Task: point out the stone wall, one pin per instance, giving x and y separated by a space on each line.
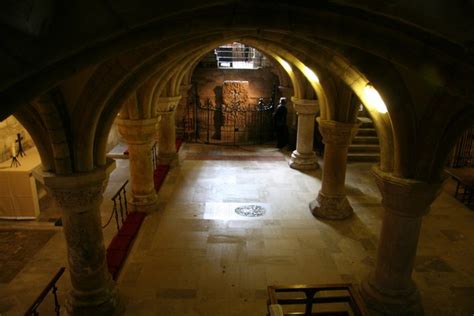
236 93
8 130
210 80
114 137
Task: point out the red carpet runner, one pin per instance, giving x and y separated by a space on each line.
179 142
118 249
160 175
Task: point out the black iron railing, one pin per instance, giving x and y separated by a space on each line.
154 155
33 310
120 209
464 153
235 124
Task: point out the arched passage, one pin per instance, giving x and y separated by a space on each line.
345 40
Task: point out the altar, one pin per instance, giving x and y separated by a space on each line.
19 190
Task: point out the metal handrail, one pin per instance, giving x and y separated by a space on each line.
51 286
463 153
123 206
121 188
154 155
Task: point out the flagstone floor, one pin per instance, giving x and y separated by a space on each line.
196 256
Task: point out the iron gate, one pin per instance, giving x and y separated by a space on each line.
234 124
463 155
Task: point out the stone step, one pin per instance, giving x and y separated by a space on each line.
366 132
363 148
363 157
365 124
365 145
365 140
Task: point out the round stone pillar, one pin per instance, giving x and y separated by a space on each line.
79 197
166 109
182 107
139 135
390 288
332 202
304 158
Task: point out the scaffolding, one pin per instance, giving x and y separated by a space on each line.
239 56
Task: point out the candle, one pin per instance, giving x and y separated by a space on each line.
13 150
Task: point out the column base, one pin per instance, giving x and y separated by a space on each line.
168 159
388 302
106 302
331 207
144 203
301 161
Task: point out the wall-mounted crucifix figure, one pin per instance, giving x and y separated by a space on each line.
21 152
15 163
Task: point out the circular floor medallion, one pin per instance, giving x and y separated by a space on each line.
250 210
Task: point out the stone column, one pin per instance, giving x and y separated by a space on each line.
390 288
182 107
331 202
139 135
166 109
79 197
304 158
288 92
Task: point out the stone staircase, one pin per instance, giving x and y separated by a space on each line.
365 145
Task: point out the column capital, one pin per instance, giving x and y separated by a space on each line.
77 192
167 104
305 106
285 89
405 197
337 133
137 131
286 92
185 87
165 113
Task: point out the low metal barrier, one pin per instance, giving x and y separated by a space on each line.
33 310
120 209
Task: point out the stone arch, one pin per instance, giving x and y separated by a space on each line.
51 110
335 28
169 85
110 102
101 135
29 117
359 84
318 57
47 124
203 49
440 134
280 72
356 27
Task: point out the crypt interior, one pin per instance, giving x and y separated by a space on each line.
139 173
